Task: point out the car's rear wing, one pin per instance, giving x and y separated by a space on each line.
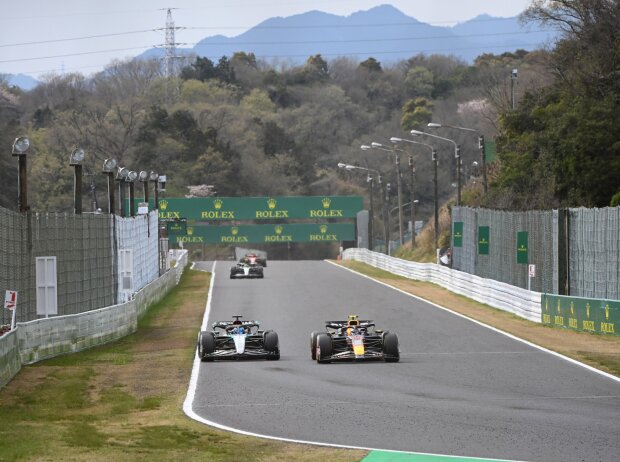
340 324
225 324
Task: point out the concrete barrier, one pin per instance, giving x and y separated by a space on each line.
521 302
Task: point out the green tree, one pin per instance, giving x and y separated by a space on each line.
419 82
416 113
560 146
370 65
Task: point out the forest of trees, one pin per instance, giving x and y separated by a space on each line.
251 127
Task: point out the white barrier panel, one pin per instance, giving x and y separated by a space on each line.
522 302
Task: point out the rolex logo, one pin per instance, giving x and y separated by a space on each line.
279 229
588 310
217 203
190 231
559 306
271 203
326 202
234 230
323 228
163 204
572 309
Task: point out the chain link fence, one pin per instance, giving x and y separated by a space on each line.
86 248
575 251
594 252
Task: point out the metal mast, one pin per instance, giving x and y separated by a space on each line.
170 46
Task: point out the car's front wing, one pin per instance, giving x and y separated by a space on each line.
343 350
247 354
246 276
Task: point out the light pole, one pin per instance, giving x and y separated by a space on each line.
513 80
480 147
154 178
76 159
412 200
380 147
121 175
435 195
370 181
386 218
20 146
457 160
108 168
131 177
143 176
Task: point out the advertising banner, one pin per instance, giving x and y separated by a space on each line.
458 234
246 234
583 314
258 208
522 247
483 240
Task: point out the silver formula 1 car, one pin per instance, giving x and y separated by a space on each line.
246 271
352 340
237 340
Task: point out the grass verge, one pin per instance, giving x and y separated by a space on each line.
596 350
123 401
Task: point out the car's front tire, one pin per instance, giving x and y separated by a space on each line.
206 345
313 337
390 348
323 348
270 341
272 345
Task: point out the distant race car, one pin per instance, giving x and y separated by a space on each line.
353 340
246 270
252 258
238 340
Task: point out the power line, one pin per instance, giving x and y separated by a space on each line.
39 42
411 52
348 54
75 54
398 39
325 26
302 42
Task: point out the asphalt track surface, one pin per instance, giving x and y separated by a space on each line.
459 389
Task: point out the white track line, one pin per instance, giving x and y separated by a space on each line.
191 392
554 353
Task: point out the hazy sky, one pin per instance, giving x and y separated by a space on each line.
61 28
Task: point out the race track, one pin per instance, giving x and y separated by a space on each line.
460 388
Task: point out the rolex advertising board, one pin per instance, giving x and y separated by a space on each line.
273 233
583 314
258 208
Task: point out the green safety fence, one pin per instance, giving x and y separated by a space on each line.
582 314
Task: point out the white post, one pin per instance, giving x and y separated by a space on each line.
10 303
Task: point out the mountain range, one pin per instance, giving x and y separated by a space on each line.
382 32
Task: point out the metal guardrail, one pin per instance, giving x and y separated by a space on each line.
521 302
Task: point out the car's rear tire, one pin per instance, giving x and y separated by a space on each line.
206 345
270 341
323 348
390 348
313 337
